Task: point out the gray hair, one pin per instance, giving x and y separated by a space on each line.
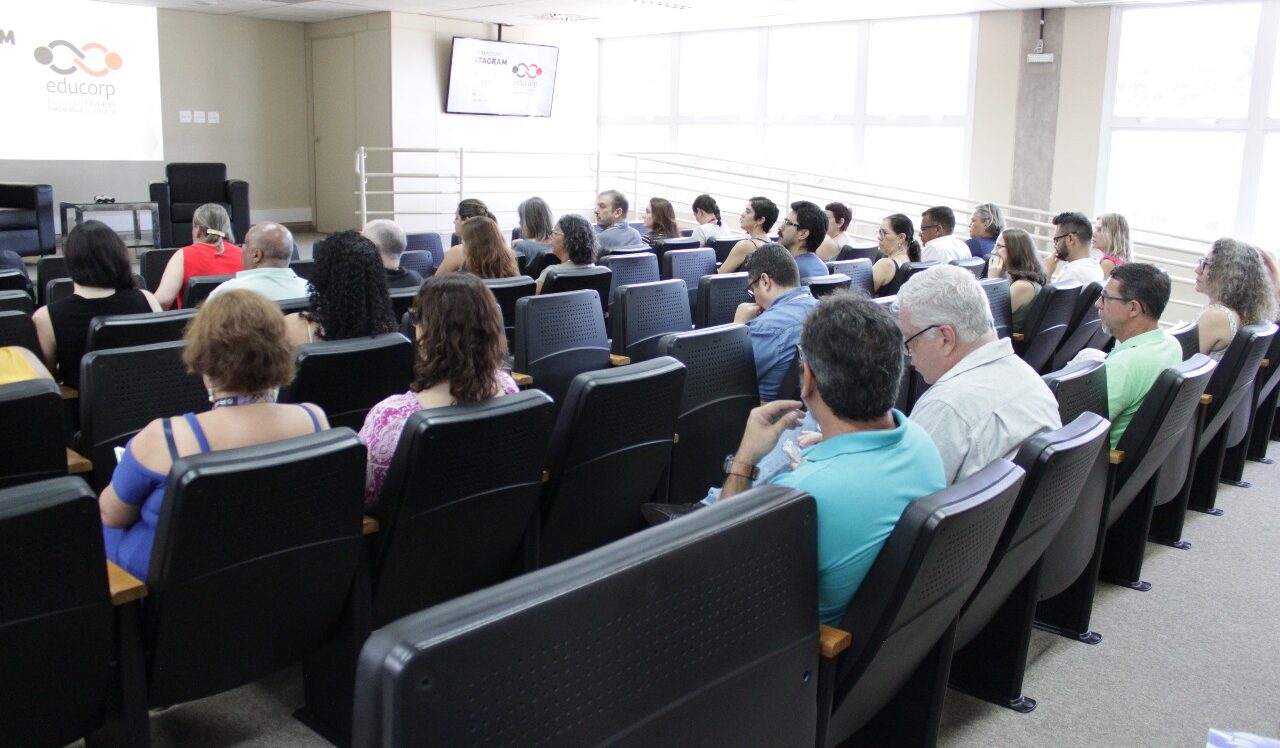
213 218
387 236
535 219
991 217
948 295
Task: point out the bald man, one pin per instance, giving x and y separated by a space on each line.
266 252
390 240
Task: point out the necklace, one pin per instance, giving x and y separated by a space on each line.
266 396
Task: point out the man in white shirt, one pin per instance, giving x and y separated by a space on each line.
936 225
267 249
611 216
984 401
839 217
1071 260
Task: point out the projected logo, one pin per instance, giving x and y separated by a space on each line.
526 71
97 64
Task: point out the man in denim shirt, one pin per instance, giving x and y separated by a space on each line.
776 315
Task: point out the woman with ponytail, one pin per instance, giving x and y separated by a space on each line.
707 213
898 245
212 251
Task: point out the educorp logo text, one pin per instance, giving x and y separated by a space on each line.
92 59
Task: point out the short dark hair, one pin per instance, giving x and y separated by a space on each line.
775 260
617 201
765 208
97 257
943 216
843 214
810 216
854 348
579 238
1144 283
1076 223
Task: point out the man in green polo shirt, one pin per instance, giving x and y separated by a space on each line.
1130 307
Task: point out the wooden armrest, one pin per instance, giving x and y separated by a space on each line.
616 360
125 587
1266 363
1206 399
522 380
832 641
546 477
1117 456
69 393
370 526
1018 337
77 463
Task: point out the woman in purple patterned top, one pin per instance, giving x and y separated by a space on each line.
461 348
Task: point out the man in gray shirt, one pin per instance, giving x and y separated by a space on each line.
611 215
267 249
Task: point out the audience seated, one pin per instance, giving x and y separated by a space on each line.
611 217
237 343
573 242
212 251
103 283
984 401
839 219
535 230
1111 240
1015 258
483 251
660 219
871 461
391 242
348 293
266 252
456 255
1071 260
17 364
1234 277
756 219
898 245
940 245
461 350
707 214
774 317
802 233
985 225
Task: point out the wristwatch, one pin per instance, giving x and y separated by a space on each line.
752 473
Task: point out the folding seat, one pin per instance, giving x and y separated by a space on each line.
1248 416
56 622
913 268
1170 484
348 377
975 265
508 291
887 687
701 632
124 330
16 328
596 278
669 245
997 290
419 261
559 336
199 288
124 389
1266 396
1188 336
1046 324
631 267
720 389
719 297
47 269
689 265
859 272
32 446
825 285
12 280
303 268
401 300
994 629
58 289
290 306
427 242
724 245
151 264
870 253
1082 329
16 301
1079 388
609 452
643 313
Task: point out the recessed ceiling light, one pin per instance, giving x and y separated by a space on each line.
564 17
206 3
663 4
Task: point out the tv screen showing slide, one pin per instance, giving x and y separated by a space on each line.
80 81
501 78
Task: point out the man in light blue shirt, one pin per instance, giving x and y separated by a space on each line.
611 216
802 233
775 316
267 249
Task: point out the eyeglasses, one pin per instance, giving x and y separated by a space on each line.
1202 264
1060 237
927 227
906 344
884 233
751 287
1105 298
788 222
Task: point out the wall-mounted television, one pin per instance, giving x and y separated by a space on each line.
505 78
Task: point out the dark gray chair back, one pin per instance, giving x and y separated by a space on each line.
631 267
125 330
427 242
870 253
419 261
1046 323
911 269
1188 336
559 336
997 290
303 268
12 280
508 291
1082 329
151 264
644 312
32 443
1079 388
49 268
975 265
199 287
596 278
825 285
859 272
719 297
16 301
724 245
16 328
689 265
348 377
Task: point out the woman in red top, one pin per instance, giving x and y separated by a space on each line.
211 252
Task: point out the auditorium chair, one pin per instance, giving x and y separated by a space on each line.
1046 324
419 261
290 306
427 242
56 627
542 262
720 390
1266 396
187 186
911 269
1083 328
508 291
643 313
975 265
993 632
348 377
620 646
1079 388
596 278
124 389
47 269
1247 415
724 245
608 455
12 280
16 328
661 247
26 219
16 301
631 267
888 686
859 272
870 253
151 265
32 440
1188 336
1170 487
125 330
199 287
825 285
303 268
719 297
401 300
997 290
557 337
689 265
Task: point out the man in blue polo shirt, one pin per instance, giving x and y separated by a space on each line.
775 316
611 217
871 462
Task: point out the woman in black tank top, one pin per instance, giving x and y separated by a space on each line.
898 247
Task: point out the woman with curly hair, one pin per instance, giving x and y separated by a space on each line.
349 296
1111 239
1240 292
485 252
573 243
660 219
1015 258
461 349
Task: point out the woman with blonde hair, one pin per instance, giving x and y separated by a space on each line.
212 251
1235 278
1111 239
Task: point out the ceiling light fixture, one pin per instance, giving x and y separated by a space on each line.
663 4
564 17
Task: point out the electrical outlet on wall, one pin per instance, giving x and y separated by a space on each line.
214 118
198 116
184 116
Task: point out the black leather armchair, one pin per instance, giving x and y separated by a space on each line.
26 218
187 187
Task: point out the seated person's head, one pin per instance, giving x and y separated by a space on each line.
97 257
573 240
771 272
267 245
388 237
460 338
987 220
211 224
349 297
1074 236
851 349
1017 257
937 221
660 218
759 215
237 343
486 250
535 219
1133 299
611 208
807 225
1235 275
944 316
839 216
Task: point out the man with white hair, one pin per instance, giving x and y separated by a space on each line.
390 240
984 401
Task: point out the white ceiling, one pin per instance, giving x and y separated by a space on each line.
618 17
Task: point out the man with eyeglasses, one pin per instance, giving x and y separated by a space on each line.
775 314
1071 259
802 233
984 401
936 225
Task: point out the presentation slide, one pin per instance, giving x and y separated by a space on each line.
501 78
80 81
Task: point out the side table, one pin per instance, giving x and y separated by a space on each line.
133 208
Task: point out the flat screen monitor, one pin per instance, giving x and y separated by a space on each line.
504 78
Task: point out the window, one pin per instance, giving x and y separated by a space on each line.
812 70
920 67
639 81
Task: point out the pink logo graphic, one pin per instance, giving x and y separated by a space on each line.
110 60
526 71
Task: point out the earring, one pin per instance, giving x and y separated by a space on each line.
211 396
